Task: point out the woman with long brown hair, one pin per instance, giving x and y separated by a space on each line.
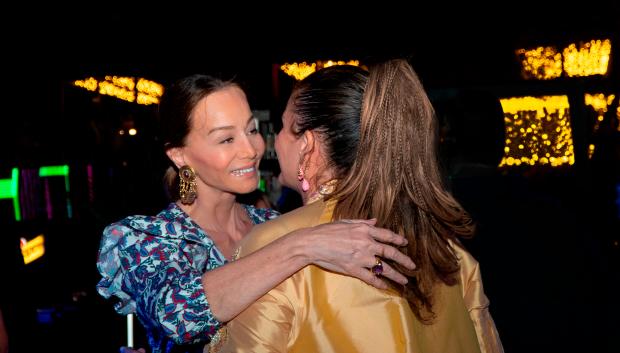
364 145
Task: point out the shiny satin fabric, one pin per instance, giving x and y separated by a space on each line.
477 302
320 311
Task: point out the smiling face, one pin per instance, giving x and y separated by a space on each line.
223 146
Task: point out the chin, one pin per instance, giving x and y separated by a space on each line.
247 188
283 181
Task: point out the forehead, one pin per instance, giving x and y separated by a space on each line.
227 106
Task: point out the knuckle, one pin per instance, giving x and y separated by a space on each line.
392 252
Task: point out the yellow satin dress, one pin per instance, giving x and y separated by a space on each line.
319 311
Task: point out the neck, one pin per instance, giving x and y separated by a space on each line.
216 211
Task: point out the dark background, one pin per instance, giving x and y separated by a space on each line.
548 239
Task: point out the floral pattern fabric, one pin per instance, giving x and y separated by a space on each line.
153 266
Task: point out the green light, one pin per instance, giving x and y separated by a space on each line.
6 187
9 190
15 189
58 170
54 170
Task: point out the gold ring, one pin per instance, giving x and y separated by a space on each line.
377 269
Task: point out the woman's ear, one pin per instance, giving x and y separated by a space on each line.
176 156
307 142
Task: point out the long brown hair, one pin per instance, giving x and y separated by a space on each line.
396 179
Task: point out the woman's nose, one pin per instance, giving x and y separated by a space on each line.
249 150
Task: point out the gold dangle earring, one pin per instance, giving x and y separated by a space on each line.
187 185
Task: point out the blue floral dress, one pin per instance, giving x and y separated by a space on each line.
154 265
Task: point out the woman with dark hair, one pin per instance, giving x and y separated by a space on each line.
173 269
364 145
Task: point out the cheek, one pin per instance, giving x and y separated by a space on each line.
259 145
277 143
281 145
215 161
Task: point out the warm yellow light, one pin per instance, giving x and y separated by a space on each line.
123 82
599 102
339 62
585 59
298 70
591 148
145 99
32 249
302 70
125 88
591 58
618 116
543 63
109 89
150 88
121 132
132 132
548 131
89 83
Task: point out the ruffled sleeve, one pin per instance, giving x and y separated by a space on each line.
112 270
159 278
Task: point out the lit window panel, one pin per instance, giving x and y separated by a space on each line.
538 131
600 103
577 59
542 63
587 59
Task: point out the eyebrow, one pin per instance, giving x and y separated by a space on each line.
228 127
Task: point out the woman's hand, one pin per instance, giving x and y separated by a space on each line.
351 247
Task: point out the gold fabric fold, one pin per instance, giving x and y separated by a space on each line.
477 302
320 311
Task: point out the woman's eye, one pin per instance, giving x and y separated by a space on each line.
253 131
228 140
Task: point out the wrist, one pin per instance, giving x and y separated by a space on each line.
302 248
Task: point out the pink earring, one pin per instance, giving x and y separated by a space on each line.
305 186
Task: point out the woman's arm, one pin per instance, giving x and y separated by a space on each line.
477 302
347 247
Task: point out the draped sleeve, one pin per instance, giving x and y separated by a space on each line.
264 327
477 303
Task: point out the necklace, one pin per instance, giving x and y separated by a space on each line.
324 189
